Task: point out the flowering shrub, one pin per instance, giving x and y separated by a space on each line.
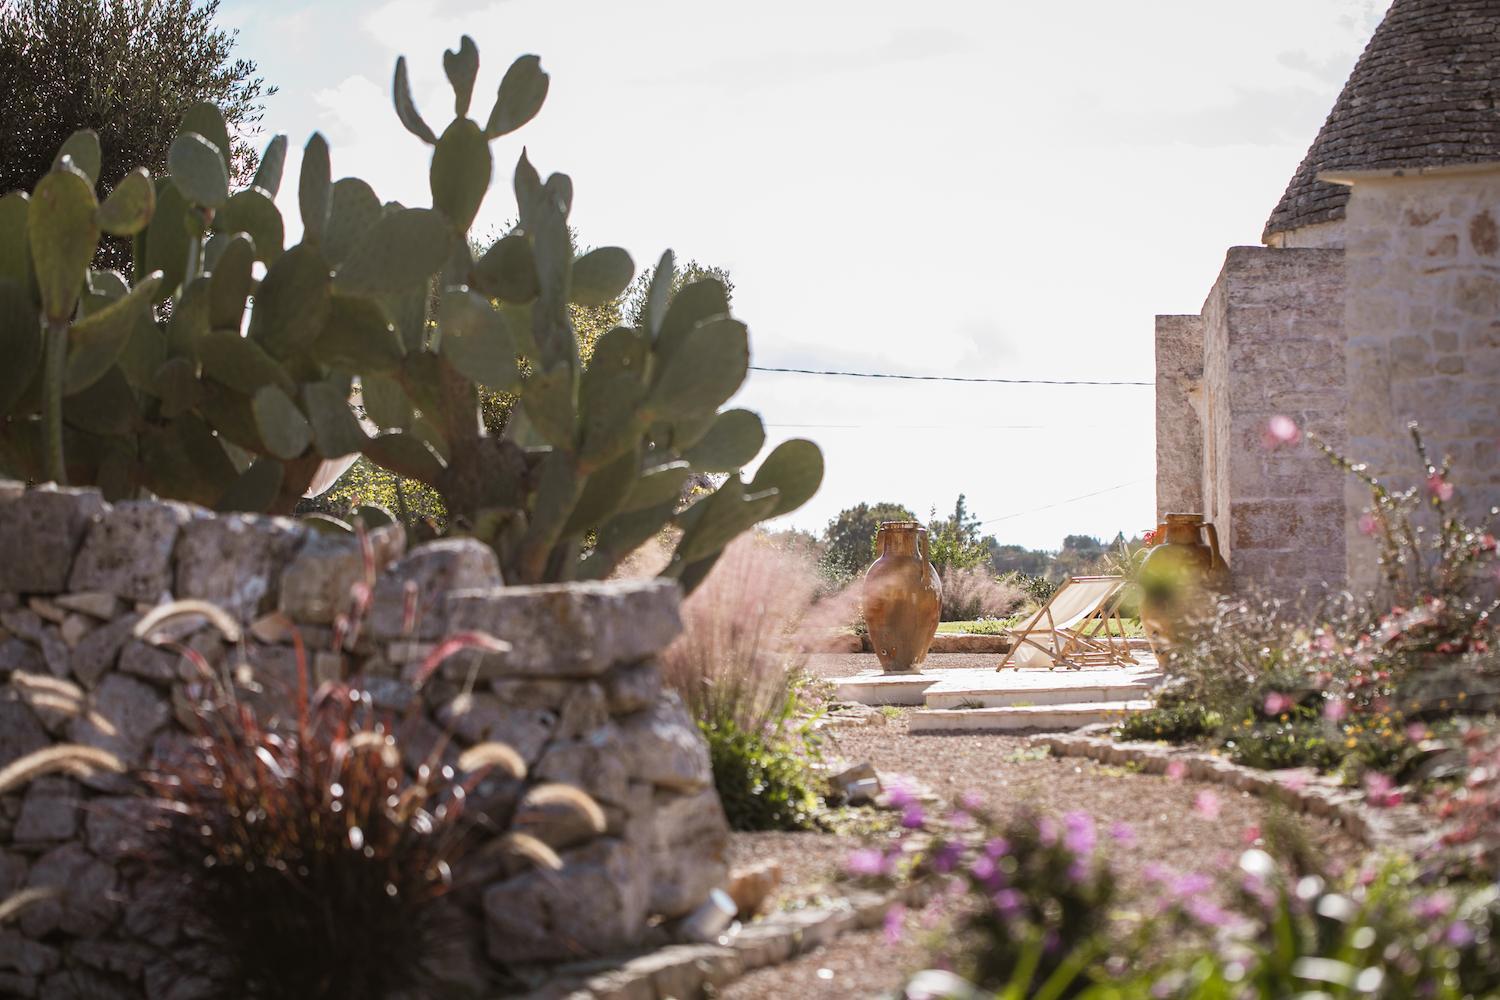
1471 808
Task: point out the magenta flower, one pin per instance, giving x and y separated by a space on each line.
1176 770
1206 804
868 861
945 859
1079 834
912 817
1276 703
1368 523
1433 907
1207 912
899 796
983 868
1440 487
895 923
999 847
1459 934
1380 791
971 800
1122 833
1335 710
1008 903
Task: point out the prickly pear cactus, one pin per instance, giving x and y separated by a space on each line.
229 367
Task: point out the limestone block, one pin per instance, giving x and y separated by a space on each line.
317 586
481 717
128 551
597 904
572 630
148 662
117 825
428 572
124 714
49 811
596 765
87 904
12 873
28 625
236 560
633 687
96 653
664 746
30 958
17 654
688 847
40 531
21 731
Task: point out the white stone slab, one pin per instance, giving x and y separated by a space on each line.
876 688
1050 718
1014 688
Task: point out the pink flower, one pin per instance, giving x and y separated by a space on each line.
1335 710
1368 523
868 861
895 923
1251 835
1380 791
1440 487
1176 770
1416 732
1280 431
1206 804
1122 833
1276 703
971 800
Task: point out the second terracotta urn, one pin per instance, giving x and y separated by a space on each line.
903 597
1178 575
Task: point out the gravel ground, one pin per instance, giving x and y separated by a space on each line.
831 665
1183 825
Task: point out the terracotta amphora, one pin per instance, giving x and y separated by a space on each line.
1179 575
903 597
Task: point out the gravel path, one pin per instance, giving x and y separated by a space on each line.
1183 825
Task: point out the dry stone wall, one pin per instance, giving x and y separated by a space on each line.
1179 420
1423 312
579 696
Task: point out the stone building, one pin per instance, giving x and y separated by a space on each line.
1374 301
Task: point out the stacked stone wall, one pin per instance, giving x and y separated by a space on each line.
1179 424
1274 346
579 696
1423 314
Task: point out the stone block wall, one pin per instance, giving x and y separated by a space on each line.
578 696
1179 419
1423 314
1273 344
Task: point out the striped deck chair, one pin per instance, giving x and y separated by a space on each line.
1075 628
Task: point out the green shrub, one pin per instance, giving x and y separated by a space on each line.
1175 724
1272 744
763 783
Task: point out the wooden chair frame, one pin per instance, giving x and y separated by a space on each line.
1078 645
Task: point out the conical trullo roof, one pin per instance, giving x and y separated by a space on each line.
1425 93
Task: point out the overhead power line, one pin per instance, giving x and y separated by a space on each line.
946 378
1063 503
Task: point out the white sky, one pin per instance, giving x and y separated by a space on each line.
956 187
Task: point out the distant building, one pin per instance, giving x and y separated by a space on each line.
1374 301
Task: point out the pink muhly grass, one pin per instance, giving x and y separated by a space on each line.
739 658
974 593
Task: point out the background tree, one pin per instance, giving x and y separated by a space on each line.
849 539
126 69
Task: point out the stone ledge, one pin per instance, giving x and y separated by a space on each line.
686 971
1399 828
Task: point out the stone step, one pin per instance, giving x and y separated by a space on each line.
1009 691
1051 718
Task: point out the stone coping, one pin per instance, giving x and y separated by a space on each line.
1400 828
692 970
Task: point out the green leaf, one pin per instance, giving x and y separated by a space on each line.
176 385
662 484
659 294
795 469
336 432
733 441
705 371
406 455
406 110
198 170
282 426
105 406
314 190
83 147
20 342
623 350
507 271
603 493
353 209
189 319
462 66
358 338
253 213
293 302
385 402
240 363
105 287
475 341
697 301
401 252
232 282
601 276
550 401
95 342
185 460
207 120
460 173
718 519
63 237
256 489
612 416
272 163
232 415
15 247
143 355
128 208
522 91
166 242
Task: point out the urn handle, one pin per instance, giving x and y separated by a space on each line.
924 554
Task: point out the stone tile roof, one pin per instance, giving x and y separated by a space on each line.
1426 92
